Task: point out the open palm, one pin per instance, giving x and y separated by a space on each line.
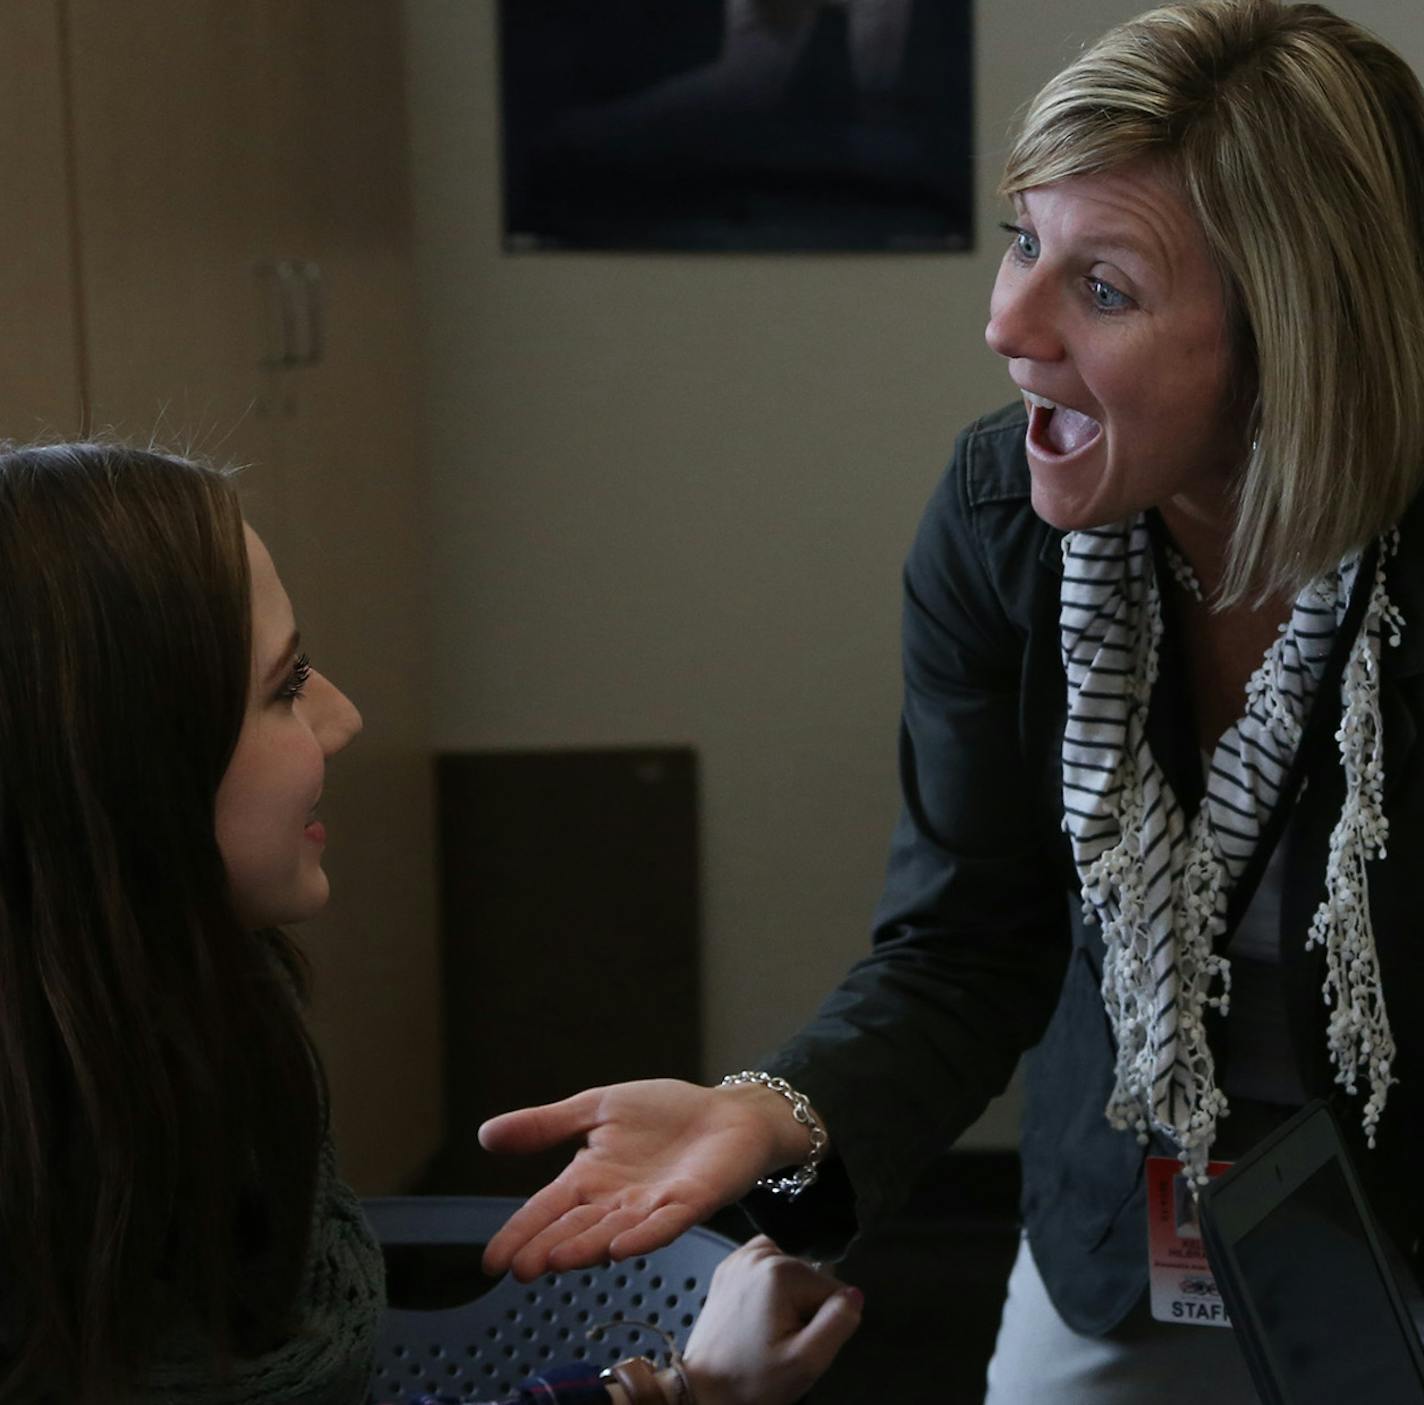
659 1155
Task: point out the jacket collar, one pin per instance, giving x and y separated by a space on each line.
1050 551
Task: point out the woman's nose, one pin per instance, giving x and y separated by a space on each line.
1022 325
334 717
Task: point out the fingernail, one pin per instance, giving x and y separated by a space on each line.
856 1297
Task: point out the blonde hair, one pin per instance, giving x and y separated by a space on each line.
1298 138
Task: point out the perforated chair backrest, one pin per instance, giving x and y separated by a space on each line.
483 1349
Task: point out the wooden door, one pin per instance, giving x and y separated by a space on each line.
174 198
355 486
40 351
242 213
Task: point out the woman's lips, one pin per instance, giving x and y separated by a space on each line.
1056 432
316 832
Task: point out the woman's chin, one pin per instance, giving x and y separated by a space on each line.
287 909
1066 513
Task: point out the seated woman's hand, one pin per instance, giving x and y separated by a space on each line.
771 1327
659 1155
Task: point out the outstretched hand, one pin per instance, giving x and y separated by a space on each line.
659 1156
771 1327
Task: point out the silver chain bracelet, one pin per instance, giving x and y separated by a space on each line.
801 1109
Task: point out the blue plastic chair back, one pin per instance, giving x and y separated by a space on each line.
482 1349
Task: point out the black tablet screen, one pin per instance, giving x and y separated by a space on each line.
1329 1324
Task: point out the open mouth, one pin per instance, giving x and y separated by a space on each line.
1055 431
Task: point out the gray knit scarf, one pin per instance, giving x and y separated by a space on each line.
327 1361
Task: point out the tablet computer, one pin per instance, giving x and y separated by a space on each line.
1302 1270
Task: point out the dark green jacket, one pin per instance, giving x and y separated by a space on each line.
980 951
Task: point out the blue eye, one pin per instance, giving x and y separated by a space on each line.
1105 297
296 681
1025 245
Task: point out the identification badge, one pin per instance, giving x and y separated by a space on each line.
1184 1288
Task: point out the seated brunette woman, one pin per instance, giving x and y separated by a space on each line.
174 1228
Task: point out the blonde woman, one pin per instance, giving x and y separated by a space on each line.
1164 674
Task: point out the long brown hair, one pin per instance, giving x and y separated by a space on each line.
161 1107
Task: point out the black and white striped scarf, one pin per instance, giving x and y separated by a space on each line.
1158 883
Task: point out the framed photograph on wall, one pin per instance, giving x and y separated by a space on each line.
752 125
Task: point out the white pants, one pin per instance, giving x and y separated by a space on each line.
1040 1360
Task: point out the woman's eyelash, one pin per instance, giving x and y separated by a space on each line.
1106 299
1025 245
297 679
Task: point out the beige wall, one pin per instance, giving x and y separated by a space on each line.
673 493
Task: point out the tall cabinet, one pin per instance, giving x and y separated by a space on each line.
217 257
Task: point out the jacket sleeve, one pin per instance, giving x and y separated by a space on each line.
971 933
